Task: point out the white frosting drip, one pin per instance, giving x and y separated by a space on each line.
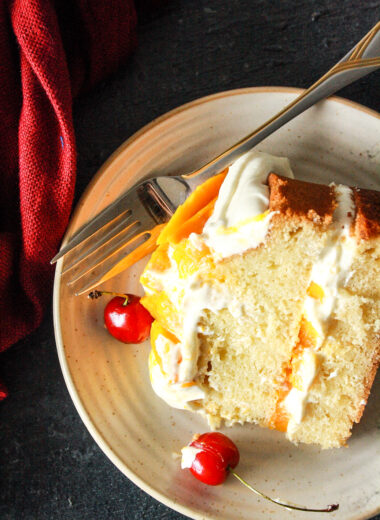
199 296
244 192
333 268
173 393
244 195
295 401
191 296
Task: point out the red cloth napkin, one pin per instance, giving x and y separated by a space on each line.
49 52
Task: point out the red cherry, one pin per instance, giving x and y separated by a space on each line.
217 456
127 320
218 453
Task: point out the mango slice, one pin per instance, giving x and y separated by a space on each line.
190 260
195 224
307 336
200 198
162 310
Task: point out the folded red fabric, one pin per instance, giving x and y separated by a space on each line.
49 52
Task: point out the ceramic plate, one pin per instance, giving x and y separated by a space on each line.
109 382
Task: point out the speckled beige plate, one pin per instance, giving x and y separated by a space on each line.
109 382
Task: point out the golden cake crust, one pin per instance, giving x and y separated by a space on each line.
301 200
367 219
316 202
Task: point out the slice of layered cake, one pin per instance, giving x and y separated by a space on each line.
266 296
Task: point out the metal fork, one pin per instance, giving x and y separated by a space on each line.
127 223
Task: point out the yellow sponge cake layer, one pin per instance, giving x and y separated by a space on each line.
270 314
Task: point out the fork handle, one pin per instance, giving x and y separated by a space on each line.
363 59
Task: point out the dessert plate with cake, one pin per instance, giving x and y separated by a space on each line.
265 293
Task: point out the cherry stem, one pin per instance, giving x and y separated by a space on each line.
328 509
93 295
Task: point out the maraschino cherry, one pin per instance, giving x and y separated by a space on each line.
215 455
212 456
125 318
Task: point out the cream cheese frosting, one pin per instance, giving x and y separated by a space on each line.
174 394
244 195
296 400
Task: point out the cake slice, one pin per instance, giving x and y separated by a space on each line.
269 312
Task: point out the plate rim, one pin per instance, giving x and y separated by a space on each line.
79 405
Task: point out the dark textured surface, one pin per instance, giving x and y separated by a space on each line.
50 466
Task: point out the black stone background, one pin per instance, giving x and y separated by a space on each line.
50 466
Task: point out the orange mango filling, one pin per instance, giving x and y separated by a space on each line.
201 197
195 224
190 260
306 339
162 310
307 336
160 258
189 218
315 291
